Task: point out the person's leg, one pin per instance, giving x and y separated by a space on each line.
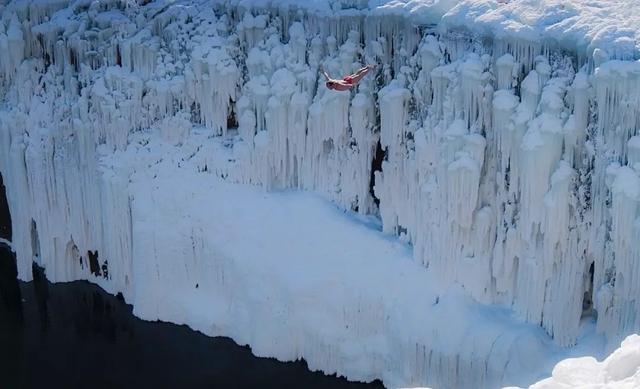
357 76
363 70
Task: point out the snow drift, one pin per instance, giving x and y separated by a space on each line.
620 370
499 140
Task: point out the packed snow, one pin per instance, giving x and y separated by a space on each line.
603 29
620 370
465 217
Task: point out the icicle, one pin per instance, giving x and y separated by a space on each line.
430 56
12 45
504 71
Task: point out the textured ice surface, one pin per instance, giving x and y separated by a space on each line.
508 166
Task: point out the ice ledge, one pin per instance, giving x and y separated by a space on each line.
307 281
590 28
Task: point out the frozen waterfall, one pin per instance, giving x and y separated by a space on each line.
145 146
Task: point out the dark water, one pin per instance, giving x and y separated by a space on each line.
75 335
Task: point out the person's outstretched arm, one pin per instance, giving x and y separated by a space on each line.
324 73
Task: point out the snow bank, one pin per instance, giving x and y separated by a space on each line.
599 29
602 29
620 370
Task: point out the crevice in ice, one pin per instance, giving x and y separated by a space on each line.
73 60
118 56
587 301
94 265
376 166
35 241
5 215
73 253
232 120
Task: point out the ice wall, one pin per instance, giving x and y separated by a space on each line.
510 165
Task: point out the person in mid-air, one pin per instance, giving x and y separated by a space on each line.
347 82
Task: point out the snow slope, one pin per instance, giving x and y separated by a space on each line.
508 163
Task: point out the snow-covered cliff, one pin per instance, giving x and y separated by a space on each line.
499 139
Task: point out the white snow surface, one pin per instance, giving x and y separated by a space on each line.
620 370
186 154
610 27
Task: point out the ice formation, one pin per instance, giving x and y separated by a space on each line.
499 139
620 370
